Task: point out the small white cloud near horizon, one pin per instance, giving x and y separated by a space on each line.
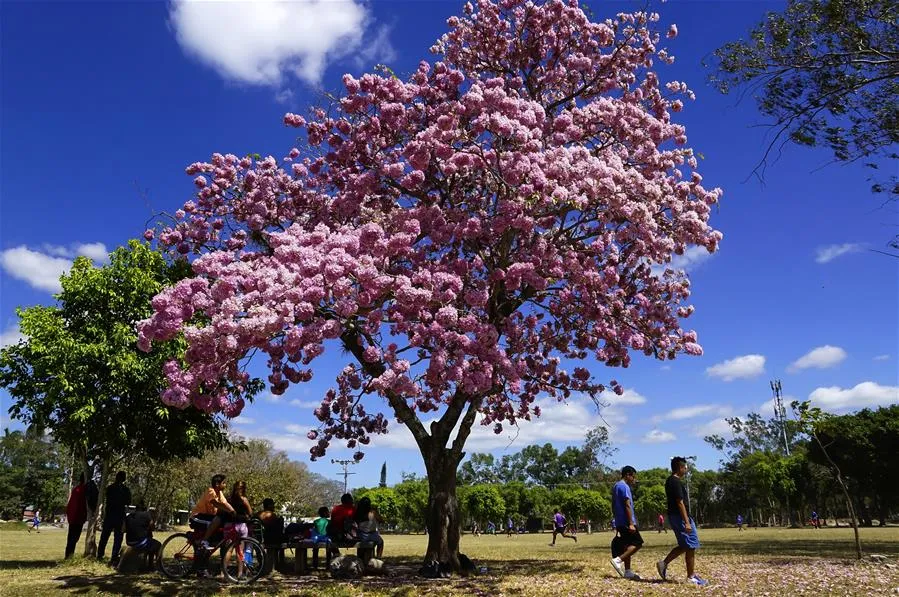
261 43
690 412
657 436
821 357
882 357
863 395
831 252
11 335
718 427
42 269
692 258
750 365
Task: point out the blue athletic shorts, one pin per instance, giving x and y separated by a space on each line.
684 539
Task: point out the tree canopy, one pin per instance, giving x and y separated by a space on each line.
827 74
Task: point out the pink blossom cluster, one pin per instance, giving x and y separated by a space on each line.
464 234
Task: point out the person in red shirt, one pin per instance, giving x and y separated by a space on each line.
76 515
340 514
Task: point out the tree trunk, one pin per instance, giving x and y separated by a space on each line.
443 515
93 515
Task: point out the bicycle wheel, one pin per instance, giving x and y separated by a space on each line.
176 556
246 553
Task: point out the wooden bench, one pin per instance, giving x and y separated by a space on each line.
301 554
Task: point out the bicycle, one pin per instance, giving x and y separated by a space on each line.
182 554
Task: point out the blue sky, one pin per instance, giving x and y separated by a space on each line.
104 104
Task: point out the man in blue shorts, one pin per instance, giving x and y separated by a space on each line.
683 526
629 539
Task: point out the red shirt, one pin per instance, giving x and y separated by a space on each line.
340 513
76 509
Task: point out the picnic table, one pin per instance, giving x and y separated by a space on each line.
301 554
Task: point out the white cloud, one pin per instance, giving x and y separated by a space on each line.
750 365
657 437
559 422
305 403
262 42
865 394
692 258
42 270
767 407
714 427
819 358
243 420
831 252
882 357
11 335
690 412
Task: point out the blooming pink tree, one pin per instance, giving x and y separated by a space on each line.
466 236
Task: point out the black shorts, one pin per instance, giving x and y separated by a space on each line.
559 530
626 538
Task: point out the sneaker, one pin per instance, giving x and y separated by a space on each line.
662 567
699 582
552 544
618 565
204 545
631 575
575 538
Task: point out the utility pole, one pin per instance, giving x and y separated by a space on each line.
346 473
780 412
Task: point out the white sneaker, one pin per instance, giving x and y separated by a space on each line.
662 567
618 565
631 575
699 582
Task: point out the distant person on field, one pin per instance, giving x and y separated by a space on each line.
35 522
559 527
683 526
626 522
491 528
118 496
661 524
76 515
815 519
510 527
739 522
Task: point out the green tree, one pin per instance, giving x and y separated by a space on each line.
649 502
31 473
485 502
826 72
385 500
413 502
79 375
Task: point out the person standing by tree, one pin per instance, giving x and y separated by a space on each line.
559 526
740 522
662 524
118 496
76 515
683 526
626 522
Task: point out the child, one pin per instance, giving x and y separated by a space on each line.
320 525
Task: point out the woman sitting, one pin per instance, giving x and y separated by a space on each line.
367 519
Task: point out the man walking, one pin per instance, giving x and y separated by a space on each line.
626 523
683 526
118 496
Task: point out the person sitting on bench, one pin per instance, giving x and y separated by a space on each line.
367 520
139 527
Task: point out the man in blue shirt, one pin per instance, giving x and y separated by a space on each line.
628 540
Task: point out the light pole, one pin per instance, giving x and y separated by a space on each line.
346 473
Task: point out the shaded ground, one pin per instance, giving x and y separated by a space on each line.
773 561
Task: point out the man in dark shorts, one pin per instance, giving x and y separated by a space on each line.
139 527
683 526
559 526
628 538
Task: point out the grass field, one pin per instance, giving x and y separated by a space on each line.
757 562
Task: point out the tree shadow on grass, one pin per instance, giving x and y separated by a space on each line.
27 564
803 548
